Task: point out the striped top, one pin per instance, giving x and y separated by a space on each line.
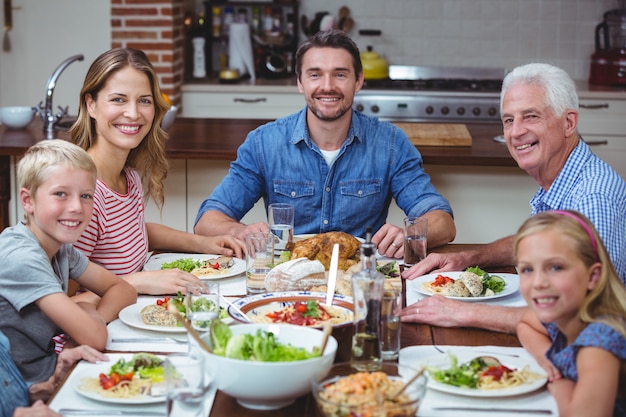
116 237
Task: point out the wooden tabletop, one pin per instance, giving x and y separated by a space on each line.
411 334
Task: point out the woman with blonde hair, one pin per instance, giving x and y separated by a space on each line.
119 125
576 323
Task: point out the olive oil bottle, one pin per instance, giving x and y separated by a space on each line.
367 292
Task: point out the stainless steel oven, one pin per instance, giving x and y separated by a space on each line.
434 94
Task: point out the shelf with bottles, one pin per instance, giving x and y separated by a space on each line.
273 29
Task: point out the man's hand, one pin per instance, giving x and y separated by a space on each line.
435 310
436 262
390 241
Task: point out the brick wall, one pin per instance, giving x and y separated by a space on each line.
156 27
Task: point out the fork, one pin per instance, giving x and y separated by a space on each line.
513 355
149 339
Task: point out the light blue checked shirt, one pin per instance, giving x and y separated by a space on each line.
590 186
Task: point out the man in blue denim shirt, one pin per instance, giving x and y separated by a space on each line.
338 167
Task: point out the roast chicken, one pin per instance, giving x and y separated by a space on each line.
320 247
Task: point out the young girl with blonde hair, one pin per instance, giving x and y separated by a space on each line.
576 323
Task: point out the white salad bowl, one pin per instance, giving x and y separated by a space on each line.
271 385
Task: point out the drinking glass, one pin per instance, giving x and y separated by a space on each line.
187 383
415 231
280 217
203 306
390 324
259 260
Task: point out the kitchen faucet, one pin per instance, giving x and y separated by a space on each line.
45 110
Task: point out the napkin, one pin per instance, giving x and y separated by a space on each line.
537 400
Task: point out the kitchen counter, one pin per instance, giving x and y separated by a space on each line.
219 139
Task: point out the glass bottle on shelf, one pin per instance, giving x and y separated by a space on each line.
367 292
256 20
229 17
217 22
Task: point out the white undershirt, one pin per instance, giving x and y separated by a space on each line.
330 156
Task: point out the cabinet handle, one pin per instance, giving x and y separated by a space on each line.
596 142
249 100
594 106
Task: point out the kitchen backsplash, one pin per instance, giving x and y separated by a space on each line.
481 33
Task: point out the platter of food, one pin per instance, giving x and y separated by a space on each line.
469 374
303 308
204 266
456 285
132 379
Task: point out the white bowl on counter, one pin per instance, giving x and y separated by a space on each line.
16 117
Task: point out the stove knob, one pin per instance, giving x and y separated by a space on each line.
492 111
429 110
360 108
476 111
375 109
445 110
460 111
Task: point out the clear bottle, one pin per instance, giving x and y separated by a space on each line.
367 292
217 22
229 17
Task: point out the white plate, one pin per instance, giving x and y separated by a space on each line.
92 370
131 316
511 286
155 261
442 361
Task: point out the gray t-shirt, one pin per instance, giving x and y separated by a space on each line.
27 275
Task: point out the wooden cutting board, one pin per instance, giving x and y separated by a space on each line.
437 134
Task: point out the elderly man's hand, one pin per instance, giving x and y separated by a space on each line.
435 310
436 262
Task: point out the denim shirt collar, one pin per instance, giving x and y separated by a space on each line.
301 132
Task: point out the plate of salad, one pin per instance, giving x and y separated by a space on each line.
195 262
126 379
457 285
470 374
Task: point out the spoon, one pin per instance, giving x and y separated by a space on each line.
406 385
327 329
172 309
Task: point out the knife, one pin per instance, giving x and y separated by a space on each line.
332 274
148 340
79 412
495 410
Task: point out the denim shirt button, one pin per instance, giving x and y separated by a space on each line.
328 189
360 192
325 221
293 193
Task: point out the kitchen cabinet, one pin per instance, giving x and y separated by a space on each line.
235 105
602 124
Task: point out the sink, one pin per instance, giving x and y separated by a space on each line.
65 123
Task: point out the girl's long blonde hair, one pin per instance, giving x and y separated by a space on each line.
606 303
149 157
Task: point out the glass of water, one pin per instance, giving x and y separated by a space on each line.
187 384
280 217
202 302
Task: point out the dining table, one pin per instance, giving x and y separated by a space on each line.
417 340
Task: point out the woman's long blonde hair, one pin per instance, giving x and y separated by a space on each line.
606 303
149 157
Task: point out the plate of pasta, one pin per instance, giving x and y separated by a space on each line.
204 266
451 285
469 374
126 379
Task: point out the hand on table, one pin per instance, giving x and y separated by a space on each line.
435 310
38 409
436 262
161 282
224 245
66 359
390 241
251 228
